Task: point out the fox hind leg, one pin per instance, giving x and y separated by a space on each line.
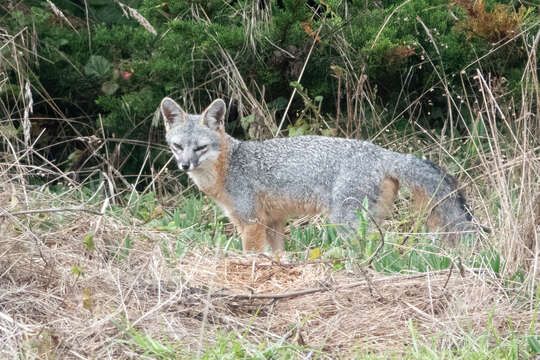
344 211
388 190
345 206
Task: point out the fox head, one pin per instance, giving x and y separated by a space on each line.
195 140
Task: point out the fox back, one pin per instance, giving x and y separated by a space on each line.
260 184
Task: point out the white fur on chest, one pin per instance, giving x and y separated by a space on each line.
206 181
204 178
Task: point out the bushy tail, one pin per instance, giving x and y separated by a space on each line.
436 191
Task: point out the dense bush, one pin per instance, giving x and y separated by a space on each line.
403 53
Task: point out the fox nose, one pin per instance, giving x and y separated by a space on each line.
184 166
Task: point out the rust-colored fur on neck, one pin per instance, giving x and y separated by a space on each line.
217 191
253 233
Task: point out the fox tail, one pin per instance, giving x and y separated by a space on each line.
435 192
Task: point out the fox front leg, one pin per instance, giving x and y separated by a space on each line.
253 236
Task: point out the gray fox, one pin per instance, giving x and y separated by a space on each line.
259 184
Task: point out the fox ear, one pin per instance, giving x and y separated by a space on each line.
214 115
172 113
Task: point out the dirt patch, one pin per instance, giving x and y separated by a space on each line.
256 276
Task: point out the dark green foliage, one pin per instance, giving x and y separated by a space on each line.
408 50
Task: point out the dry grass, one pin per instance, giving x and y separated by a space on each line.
49 311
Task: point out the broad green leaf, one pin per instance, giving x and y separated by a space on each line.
109 87
97 66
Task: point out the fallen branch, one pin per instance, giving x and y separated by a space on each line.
303 292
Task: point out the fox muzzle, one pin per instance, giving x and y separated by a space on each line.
188 161
184 166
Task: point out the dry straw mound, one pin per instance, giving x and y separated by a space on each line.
58 299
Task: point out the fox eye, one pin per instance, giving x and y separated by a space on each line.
201 148
178 146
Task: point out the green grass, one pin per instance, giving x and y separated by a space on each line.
146 346
227 345
195 225
198 222
235 346
486 346
489 345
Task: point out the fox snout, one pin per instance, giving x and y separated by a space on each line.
186 166
183 166
186 162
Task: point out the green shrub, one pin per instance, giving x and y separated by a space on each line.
120 70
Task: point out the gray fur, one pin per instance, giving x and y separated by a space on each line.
337 174
333 174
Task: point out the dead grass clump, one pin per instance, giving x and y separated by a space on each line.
259 277
494 25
